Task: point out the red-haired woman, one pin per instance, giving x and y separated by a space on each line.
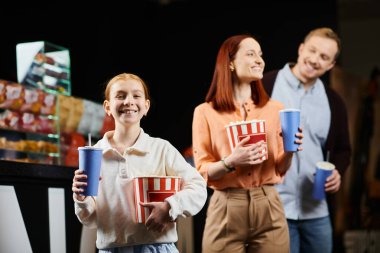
245 213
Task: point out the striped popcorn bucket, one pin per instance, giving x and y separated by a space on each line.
152 189
255 129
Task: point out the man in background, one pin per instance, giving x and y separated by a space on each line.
326 137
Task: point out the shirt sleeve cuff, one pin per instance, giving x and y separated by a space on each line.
175 208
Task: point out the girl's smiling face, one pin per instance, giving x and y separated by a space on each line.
127 102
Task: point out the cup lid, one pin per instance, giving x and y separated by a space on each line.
325 165
290 110
89 147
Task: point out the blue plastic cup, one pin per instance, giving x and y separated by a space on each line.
324 170
90 160
290 122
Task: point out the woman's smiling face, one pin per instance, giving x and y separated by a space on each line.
248 62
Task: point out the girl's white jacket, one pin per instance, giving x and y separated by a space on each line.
113 210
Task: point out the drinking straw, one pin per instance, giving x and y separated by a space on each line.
89 139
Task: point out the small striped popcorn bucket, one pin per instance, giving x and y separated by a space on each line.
153 189
255 129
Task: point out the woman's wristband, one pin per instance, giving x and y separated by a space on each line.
229 169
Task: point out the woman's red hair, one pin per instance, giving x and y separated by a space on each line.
221 89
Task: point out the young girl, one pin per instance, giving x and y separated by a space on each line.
129 152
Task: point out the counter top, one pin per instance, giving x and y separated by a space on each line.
35 171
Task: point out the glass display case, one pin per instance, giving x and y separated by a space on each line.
44 65
40 122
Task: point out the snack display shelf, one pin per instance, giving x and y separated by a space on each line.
29 125
61 87
31 152
42 135
26 146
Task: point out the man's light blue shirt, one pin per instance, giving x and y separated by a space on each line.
296 190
